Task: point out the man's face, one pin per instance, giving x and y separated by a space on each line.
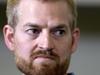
42 40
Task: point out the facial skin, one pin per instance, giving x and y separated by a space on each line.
42 40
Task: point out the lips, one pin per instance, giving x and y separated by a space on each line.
42 56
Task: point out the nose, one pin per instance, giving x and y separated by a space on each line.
45 41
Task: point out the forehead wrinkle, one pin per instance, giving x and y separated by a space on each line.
46 7
44 21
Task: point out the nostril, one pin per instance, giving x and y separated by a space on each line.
46 49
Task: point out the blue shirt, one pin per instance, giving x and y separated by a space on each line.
70 73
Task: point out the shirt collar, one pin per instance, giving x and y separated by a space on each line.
70 73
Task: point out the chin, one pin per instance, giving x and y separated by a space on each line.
42 66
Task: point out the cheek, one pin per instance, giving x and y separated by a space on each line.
23 48
64 49
22 51
23 44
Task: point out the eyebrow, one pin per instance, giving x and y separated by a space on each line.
31 25
60 26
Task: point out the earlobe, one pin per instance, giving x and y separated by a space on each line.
8 32
75 39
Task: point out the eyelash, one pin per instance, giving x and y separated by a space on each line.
59 32
34 32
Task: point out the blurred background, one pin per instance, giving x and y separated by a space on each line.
86 60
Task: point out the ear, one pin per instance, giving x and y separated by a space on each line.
75 39
8 32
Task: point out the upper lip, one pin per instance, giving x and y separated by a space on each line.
43 56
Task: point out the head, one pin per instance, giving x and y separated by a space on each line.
42 34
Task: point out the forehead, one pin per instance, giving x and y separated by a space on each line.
44 12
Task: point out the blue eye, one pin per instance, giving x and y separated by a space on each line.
59 33
33 31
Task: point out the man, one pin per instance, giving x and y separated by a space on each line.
42 35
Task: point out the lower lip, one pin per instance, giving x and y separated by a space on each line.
41 59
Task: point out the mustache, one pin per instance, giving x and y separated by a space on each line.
45 54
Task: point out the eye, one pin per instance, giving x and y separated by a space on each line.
33 31
59 33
